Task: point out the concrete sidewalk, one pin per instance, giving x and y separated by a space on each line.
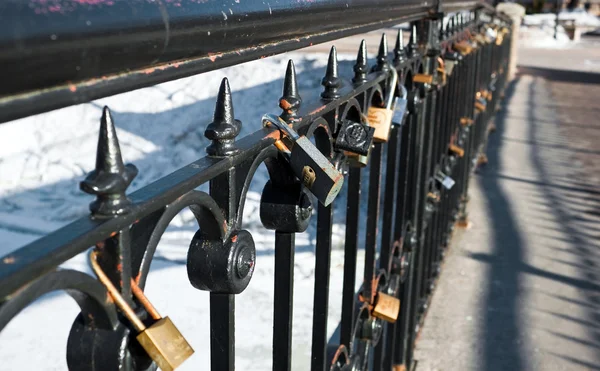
520 290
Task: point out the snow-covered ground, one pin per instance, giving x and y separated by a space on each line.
537 30
42 159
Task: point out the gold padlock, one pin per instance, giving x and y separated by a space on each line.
386 307
162 340
423 78
465 121
499 39
456 150
381 118
357 160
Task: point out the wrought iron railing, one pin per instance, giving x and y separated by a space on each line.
450 77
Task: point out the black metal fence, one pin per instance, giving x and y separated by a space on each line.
442 88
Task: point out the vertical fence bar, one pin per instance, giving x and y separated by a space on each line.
372 221
222 332
350 250
321 299
283 301
390 208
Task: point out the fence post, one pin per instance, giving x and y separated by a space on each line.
516 13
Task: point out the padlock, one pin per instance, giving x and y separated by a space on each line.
456 150
355 160
463 47
386 307
354 137
480 102
423 78
480 105
465 121
400 106
313 169
163 342
380 118
445 180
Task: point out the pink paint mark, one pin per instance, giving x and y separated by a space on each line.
72 88
213 56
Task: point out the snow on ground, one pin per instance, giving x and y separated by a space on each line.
42 159
579 16
537 30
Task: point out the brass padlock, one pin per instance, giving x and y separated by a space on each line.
162 340
380 118
456 150
423 78
310 166
465 121
356 160
386 307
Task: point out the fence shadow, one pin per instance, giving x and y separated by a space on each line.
574 204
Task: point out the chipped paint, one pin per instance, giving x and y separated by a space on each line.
284 104
9 260
213 56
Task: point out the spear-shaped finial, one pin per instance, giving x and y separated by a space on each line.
110 179
399 52
224 128
413 46
361 68
290 100
331 81
382 55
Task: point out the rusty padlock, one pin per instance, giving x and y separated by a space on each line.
313 169
163 342
386 307
380 118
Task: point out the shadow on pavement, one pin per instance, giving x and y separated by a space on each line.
575 205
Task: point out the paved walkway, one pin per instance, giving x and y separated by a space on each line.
520 290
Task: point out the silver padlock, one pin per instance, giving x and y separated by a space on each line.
400 106
312 168
445 180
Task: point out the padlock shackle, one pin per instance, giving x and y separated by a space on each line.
270 119
141 297
391 89
403 92
116 295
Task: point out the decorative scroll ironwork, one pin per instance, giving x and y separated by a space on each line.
454 72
